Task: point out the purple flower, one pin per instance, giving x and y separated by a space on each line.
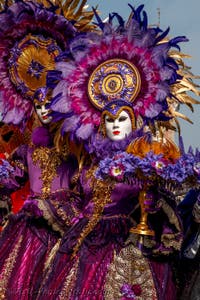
130 291
159 165
127 291
117 171
5 169
122 166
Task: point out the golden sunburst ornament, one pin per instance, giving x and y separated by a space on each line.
30 61
114 79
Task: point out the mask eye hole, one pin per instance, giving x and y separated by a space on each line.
38 106
122 119
109 120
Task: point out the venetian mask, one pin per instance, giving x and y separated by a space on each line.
41 104
42 112
117 120
118 128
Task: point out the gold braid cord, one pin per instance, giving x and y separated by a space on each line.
48 160
72 10
100 197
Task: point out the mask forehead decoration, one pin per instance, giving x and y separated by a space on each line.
114 108
42 96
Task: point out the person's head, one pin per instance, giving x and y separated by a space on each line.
41 105
118 120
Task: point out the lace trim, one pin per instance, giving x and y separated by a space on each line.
48 216
132 268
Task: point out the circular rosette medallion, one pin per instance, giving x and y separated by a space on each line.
114 79
29 62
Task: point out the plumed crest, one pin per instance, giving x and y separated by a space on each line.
31 36
34 34
146 48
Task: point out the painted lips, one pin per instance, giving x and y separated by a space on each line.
116 132
45 117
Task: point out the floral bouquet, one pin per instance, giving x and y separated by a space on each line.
5 167
185 171
151 170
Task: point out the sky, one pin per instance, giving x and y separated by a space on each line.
182 16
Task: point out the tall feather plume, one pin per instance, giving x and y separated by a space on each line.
72 10
180 90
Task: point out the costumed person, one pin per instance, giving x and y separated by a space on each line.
122 80
189 265
33 35
28 49
29 237
95 260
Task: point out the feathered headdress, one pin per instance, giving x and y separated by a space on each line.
131 61
33 34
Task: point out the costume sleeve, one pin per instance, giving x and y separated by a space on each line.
19 174
165 221
64 207
196 209
189 210
16 179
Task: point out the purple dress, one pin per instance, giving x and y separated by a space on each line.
30 236
96 259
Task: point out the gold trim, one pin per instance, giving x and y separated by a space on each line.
68 288
47 216
48 160
7 269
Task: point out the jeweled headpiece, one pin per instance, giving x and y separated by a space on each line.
42 95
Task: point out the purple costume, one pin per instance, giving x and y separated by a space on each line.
96 259
189 265
28 238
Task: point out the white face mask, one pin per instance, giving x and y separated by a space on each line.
119 128
43 113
